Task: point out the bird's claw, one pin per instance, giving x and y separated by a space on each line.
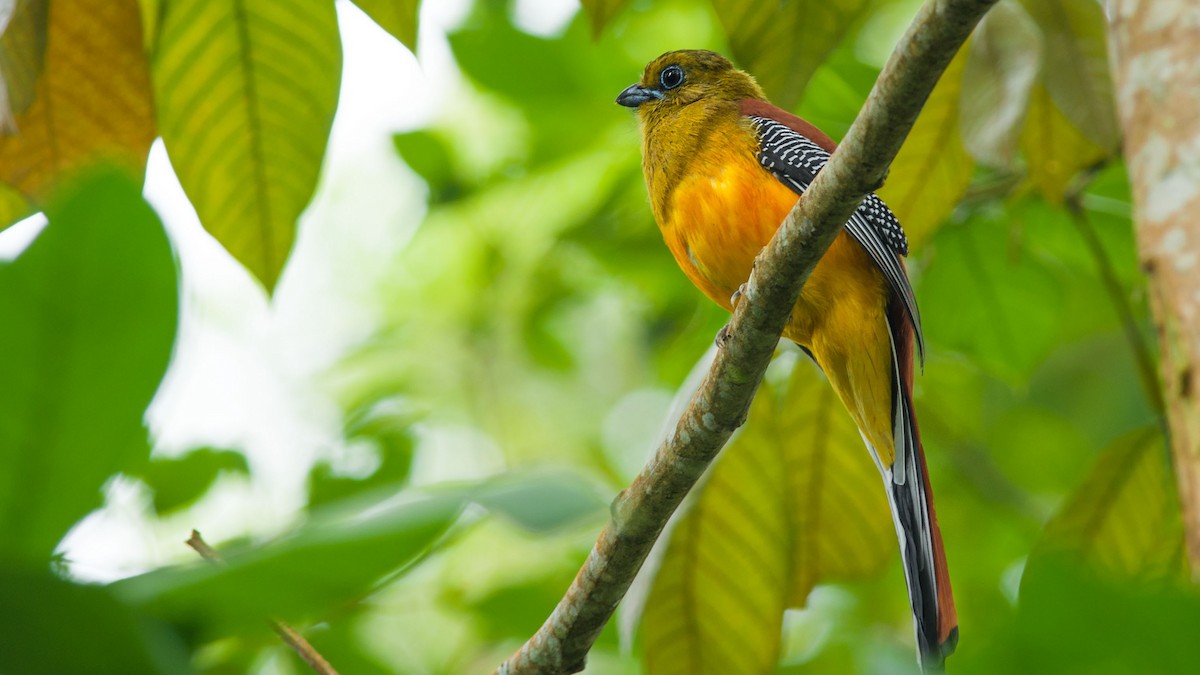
737 295
882 179
722 336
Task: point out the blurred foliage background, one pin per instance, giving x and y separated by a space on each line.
509 335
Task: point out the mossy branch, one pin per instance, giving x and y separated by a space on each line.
723 399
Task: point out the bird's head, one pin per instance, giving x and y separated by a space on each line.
679 78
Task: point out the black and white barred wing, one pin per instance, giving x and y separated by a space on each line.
795 160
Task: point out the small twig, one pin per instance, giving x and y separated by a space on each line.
200 546
1147 370
723 400
285 632
990 189
302 648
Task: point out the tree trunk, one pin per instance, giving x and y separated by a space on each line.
1156 62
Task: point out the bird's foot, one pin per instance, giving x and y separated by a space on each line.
722 336
737 296
882 179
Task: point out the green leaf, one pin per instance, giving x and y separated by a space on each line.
1103 403
1076 73
92 103
1072 620
246 93
844 83
1055 150
1124 519
602 12
342 644
151 21
516 611
794 501
90 310
380 426
1002 65
586 77
551 296
1018 438
398 17
427 154
933 169
331 562
841 523
475 48
22 48
178 482
782 43
54 626
541 502
1001 305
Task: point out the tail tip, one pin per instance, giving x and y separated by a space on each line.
950 643
933 656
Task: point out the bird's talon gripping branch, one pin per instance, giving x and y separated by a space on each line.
882 180
722 336
736 297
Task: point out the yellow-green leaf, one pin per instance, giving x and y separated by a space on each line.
841 525
601 12
1055 150
93 100
794 501
151 13
22 46
13 206
782 43
1076 73
1124 518
933 169
398 17
246 92
1001 68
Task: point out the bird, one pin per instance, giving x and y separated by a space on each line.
723 167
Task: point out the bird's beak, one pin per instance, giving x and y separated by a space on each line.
635 95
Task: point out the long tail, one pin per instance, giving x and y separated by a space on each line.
911 499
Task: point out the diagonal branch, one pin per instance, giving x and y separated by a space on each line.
721 404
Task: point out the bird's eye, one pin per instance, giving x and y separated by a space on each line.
672 76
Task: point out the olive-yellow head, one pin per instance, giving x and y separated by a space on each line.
680 78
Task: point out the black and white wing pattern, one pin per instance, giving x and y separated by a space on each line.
795 161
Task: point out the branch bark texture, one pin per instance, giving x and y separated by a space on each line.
721 404
1156 62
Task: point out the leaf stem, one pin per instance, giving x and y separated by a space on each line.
285 632
1147 370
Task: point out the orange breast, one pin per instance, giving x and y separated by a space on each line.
718 218
726 209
